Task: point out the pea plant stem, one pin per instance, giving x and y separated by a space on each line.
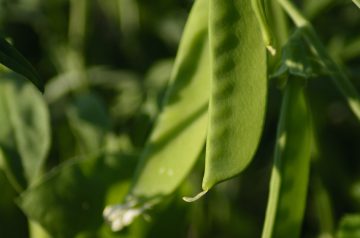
340 79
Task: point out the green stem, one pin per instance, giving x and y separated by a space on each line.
294 13
259 11
77 30
341 81
77 24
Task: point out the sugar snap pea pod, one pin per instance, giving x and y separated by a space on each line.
357 3
289 178
340 79
180 132
238 90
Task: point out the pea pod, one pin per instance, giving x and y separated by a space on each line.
180 132
357 3
289 179
238 90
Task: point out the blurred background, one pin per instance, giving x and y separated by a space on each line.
106 64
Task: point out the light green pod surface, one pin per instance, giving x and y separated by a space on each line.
238 90
289 179
180 131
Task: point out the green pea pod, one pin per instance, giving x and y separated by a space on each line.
357 3
238 90
289 179
180 132
12 59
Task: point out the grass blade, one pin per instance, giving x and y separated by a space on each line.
11 58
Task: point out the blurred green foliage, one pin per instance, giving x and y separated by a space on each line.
106 64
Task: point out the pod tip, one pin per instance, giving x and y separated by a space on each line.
193 199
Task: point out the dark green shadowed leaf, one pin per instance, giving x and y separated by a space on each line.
24 131
180 131
89 123
69 200
349 226
12 222
12 59
289 178
238 90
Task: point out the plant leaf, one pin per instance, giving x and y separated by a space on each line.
69 200
11 58
238 97
289 179
89 122
12 221
24 131
349 226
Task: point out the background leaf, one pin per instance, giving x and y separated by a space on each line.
70 199
349 226
12 59
89 122
25 132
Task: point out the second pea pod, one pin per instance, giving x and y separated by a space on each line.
238 89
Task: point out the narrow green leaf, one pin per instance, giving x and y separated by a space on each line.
69 200
340 79
24 131
238 97
11 58
349 226
180 131
289 179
